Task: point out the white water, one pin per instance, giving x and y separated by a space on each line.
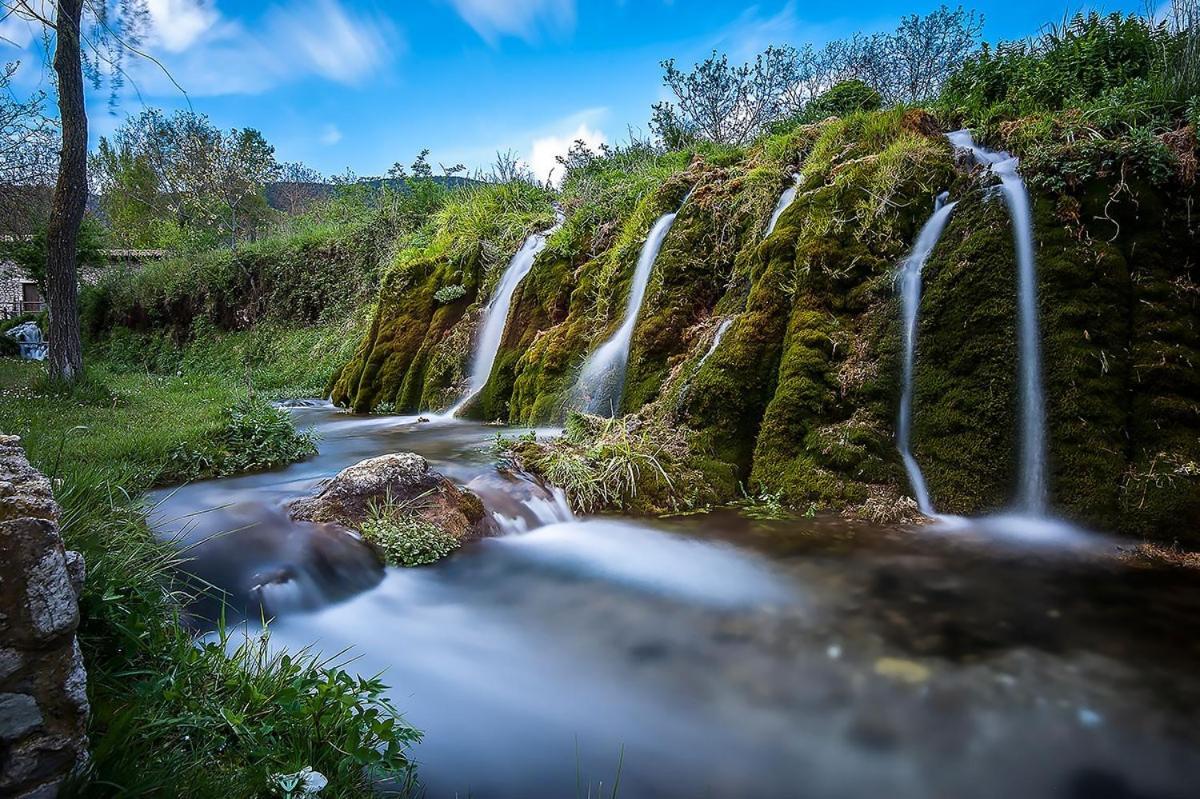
910 293
1031 497
785 200
29 341
602 380
495 316
716 342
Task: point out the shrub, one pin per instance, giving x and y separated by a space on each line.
1118 69
255 436
403 538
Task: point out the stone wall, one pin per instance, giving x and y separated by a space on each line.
43 698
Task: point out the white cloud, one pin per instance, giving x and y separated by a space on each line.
545 149
334 44
524 19
208 54
176 24
330 135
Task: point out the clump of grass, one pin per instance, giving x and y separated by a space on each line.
403 537
255 436
626 463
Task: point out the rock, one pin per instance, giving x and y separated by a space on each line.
19 714
43 685
404 479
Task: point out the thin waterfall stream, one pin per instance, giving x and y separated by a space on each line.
1031 495
602 380
495 315
910 294
785 200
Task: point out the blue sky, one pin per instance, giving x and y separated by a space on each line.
364 83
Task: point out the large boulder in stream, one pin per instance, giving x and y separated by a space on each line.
401 480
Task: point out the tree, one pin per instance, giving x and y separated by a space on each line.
298 187
180 180
725 103
28 159
109 37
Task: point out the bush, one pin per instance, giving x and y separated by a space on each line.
255 436
448 294
405 539
1118 69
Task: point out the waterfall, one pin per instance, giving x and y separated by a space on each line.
29 341
910 293
495 315
716 342
602 380
785 200
1031 498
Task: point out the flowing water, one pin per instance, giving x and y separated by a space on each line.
716 655
716 342
602 379
910 295
1031 497
785 200
495 315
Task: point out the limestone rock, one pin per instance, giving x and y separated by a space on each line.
403 479
43 685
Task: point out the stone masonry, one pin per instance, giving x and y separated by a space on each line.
43 698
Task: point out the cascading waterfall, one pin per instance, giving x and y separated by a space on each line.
910 293
1031 497
785 200
602 379
495 315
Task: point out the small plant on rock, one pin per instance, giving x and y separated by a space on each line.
403 537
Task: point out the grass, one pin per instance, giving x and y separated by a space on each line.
173 715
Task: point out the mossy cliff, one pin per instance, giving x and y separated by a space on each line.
416 351
799 400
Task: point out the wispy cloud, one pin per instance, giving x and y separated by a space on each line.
208 54
176 24
558 138
525 19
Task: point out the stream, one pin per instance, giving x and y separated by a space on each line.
717 655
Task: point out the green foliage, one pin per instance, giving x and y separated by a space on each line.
448 294
1117 69
626 463
403 537
843 99
173 716
30 253
254 436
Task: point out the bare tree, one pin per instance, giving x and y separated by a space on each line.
298 187
726 103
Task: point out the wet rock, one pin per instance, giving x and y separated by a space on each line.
403 479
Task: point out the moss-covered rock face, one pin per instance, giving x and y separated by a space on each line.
799 399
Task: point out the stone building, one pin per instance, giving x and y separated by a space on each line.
19 292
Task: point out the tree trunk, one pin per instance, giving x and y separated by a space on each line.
70 199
